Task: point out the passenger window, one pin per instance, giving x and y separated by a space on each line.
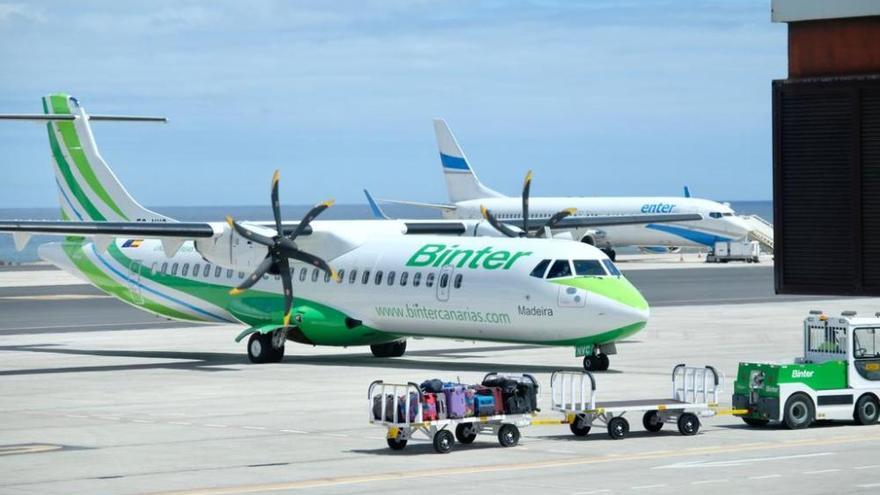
365 278
265 276
218 270
403 277
184 270
444 280
609 265
303 273
196 268
540 269
588 268
240 274
315 273
353 276
560 268
391 278
340 275
457 282
229 273
164 268
207 272
417 279
326 277
153 268
174 269
378 280
429 280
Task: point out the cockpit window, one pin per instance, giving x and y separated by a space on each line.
728 214
589 268
539 270
715 214
560 268
609 265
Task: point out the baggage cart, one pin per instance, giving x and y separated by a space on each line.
694 395
403 423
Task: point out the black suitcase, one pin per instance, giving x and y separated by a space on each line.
520 392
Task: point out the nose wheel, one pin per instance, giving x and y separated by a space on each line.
596 362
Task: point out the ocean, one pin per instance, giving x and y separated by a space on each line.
8 254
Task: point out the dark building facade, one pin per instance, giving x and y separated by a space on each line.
826 149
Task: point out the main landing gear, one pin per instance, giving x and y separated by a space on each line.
389 349
596 362
266 347
612 255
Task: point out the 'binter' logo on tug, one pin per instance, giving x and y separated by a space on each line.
441 255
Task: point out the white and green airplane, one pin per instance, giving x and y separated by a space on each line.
389 279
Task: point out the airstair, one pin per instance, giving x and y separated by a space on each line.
760 230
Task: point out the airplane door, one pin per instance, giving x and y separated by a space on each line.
134 284
444 282
571 297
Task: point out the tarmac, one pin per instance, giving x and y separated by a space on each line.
142 405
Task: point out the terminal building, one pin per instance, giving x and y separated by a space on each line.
826 149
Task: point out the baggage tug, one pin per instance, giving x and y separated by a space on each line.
838 377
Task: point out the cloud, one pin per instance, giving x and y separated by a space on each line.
20 12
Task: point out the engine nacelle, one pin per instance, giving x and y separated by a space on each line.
231 250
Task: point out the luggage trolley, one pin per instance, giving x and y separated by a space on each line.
403 421
694 394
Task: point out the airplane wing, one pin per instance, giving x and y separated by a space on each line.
421 205
610 220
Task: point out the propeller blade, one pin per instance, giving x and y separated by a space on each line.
311 260
314 212
287 284
249 282
527 185
249 234
555 219
500 227
276 205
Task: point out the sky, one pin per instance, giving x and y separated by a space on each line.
598 97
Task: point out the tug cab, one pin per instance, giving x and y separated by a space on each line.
838 377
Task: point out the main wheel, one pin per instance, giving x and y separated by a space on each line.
612 255
604 362
260 349
508 435
396 444
867 410
688 424
618 427
443 441
465 433
799 411
592 362
756 422
652 421
389 349
579 427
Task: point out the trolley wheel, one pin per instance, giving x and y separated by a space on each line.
508 435
688 424
579 427
618 427
799 411
652 421
756 422
443 441
396 443
465 433
867 410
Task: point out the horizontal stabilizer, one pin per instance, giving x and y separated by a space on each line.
183 230
68 117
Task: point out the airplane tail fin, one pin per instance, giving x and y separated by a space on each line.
462 183
87 189
687 192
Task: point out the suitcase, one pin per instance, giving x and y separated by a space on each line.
456 401
495 393
433 386
524 386
429 407
516 404
484 405
389 408
441 406
413 408
469 395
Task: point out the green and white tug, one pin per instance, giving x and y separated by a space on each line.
838 377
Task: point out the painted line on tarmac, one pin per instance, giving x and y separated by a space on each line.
871 485
765 477
872 466
497 468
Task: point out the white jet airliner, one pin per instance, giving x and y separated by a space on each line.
389 279
469 199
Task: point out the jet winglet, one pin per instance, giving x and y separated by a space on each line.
374 207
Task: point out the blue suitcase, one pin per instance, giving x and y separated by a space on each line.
484 405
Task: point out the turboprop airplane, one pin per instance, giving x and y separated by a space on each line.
382 281
469 198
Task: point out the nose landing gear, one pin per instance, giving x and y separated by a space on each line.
596 362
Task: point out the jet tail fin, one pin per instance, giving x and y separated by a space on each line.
687 192
88 189
462 183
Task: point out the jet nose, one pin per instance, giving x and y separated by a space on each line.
737 227
620 301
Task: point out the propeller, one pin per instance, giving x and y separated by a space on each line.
509 232
281 249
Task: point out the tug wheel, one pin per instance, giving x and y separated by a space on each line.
799 411
867 410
